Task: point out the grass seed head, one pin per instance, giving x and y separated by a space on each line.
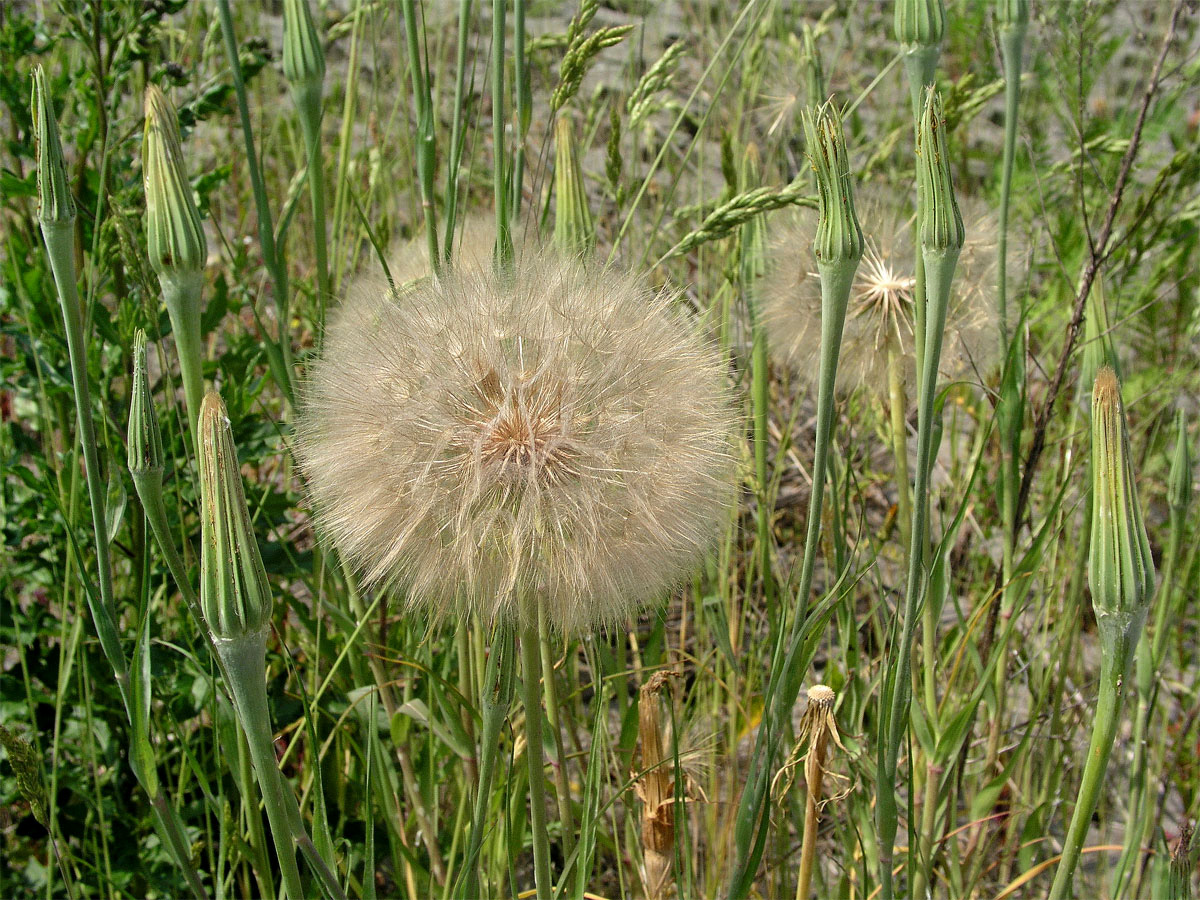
555 430
881 312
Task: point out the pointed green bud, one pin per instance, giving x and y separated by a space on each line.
145 457
1179 482
56 205
1098 347
574 230
1120 567
810 65
941 225
839 238
174 236
303 57
1012 14
234 593
919 23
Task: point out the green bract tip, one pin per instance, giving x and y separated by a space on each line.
303 58
1179 482
234 594
574 230
145 457
941 225
1120 568
839 238
1012 14
920 23
174 238
56 205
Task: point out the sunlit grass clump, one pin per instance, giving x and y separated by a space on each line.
554 431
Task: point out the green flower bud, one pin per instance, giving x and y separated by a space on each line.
1120 567
56 205
145 457
303 57
941 225
1012 14
1179 482
234 594
839 238
174 237
920 23
574 230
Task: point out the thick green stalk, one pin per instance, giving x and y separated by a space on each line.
898 687
531 669
181 293
245 660
1104 731
1011 44
316 188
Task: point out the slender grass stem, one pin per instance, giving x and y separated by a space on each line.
504 245
457 139
426 139
531 668
494 701
562 784
280 354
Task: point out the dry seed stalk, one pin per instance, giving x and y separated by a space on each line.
656 790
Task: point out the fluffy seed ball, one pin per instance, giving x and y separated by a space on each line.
881 300
556 434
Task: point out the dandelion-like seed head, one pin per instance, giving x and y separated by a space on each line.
555 433
880 314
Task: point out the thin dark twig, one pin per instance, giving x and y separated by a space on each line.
1098 255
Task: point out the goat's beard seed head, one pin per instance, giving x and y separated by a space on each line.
880 314
556 434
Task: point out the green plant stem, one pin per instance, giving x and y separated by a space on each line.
1114 662
760 402
494 701
456 128
310 124
920 67
524 101
426 139
786 677
245 659
562 785
898 426
60 247
1151 652
280 356
1012 41
504 245
897 684
531 668
181 293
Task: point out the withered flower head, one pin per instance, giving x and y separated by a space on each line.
553 432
